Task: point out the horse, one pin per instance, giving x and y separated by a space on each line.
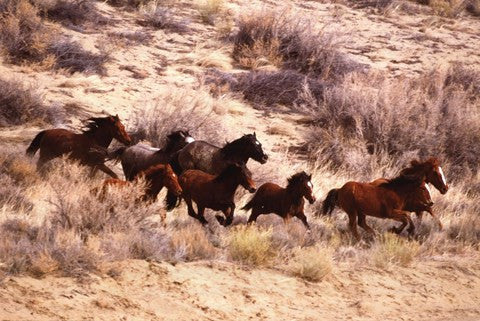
85 147
139 157
286 202
433 175
156 178
213 160
387 200
214 192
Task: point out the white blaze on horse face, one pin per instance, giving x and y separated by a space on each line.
428 190
257 142
310 185
189 139
443 176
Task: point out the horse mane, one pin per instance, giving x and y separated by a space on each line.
404 179
233 148
416 167
153 170
231 168
295 179
93 123
170 142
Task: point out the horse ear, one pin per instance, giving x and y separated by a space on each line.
310 176
254 134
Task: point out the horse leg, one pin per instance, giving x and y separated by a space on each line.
303 218
440 226
104 169
253 217
362 222
201 217
404 217
229 214
419 216
191 211
352 223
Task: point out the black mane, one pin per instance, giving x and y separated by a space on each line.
235 148
403 179
93 123
296 178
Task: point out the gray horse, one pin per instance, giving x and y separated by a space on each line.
140 156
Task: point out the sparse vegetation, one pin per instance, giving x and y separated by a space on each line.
157 16
392 249
311 263
210 10
251 245
20 104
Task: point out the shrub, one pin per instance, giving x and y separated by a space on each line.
175 108
20 104
311 263
191 243
210 10
71 56
251 245
75 12
290 42
128 3
156 16
392 249
374 120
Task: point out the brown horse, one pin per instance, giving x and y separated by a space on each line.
84 147
433 174
286 202
386 200
215 192
156 177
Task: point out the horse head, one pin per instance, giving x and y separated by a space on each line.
242 175
433 173
254 148
302 182
117 130
178 139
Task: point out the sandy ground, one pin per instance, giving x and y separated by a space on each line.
446 289
435 290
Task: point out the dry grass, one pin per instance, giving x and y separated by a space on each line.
20 104
391 249
155 15
251 245
210 10
70 12
190 109
190 242
311 263
291 42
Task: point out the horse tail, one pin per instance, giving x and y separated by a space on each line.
175 164
35 144
330 202
172 201
116 155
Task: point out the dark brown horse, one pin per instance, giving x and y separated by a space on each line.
215 192
139 157
213 160
433 174
156 178
85 147
286 202
386 200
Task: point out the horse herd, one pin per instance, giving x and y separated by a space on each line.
201 173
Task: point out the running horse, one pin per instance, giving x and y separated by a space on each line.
393 198
156 177
88 147
286 202
433 175
214 192
139 157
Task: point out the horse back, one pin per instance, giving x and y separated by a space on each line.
270 198
199 155
58 141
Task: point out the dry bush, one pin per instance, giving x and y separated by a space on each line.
473 7
191 243
210 10
20 104
155 15
310 263
132 37
128 3
24 36
71 56
190 109
290 42
369 121
251 245
392 249
74 12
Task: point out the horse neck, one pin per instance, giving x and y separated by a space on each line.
100 136
233 153
226 184
293 195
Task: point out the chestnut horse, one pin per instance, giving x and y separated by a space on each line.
286 202
139 157
433 174
215 192
156 178
85 147
386 200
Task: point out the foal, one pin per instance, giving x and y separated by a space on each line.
285 202
215 192
157 177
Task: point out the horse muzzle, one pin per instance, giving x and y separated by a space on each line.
312 199
264 159
252 189
444 190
